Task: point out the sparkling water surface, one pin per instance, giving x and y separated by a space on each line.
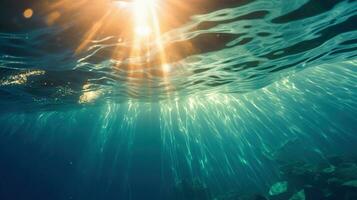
248 87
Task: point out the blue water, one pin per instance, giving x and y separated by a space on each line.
253 87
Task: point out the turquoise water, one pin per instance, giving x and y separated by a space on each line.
266 94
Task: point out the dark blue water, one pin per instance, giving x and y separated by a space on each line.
229 100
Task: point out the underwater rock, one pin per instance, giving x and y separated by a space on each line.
347 171
313 193
299 174
259 197
251 197
332 179
237 196
287 152
329 169
191 190
339 161
228 196
298 196
278 188
352 183
335 160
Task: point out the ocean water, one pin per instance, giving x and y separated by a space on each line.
253 99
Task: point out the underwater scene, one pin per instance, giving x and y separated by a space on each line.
178 100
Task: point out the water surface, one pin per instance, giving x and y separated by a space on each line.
250 92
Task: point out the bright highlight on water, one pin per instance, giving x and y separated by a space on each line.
183 100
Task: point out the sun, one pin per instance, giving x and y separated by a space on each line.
147 29
144 12
139 25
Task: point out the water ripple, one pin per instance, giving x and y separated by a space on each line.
229 49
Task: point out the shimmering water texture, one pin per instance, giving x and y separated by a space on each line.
232 50
217 147
254 98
